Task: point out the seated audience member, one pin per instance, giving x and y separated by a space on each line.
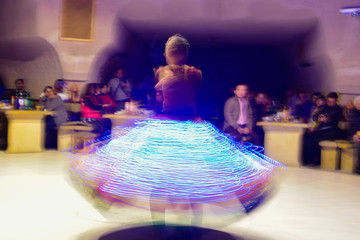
258 106
314 98
291 98
20 88
59 87
120 89
157 104
159 99
320 104
52 102
302 107
270 108
74 93
105 99
258 109
147 88
353 110
74 108
92 110
238 116
20 93
328 119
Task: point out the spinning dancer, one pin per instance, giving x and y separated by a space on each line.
171 162
178 83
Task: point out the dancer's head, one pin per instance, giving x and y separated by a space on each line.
176 50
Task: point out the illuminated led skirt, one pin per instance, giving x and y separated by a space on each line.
168 164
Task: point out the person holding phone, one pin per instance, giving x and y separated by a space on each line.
328 119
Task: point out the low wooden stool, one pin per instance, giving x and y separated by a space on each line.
68 130
347 156
329 155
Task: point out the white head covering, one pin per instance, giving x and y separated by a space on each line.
356 101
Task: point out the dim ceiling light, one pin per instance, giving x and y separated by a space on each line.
353 11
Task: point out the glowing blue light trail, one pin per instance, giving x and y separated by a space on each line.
177 161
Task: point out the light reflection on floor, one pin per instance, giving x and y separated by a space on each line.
37 202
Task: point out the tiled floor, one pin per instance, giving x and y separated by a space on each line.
38 202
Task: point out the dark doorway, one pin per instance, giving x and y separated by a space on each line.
226 55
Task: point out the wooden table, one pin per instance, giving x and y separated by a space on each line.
26 130
284 141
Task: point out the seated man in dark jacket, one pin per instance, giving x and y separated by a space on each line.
328 120
259 111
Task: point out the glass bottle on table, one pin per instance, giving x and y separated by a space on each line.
22 101
17 97
13 102
285 114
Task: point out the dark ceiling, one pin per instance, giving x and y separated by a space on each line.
228 32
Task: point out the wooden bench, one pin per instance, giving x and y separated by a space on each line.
338 154
75 133
330 152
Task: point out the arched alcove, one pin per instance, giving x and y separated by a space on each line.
23 54
33 59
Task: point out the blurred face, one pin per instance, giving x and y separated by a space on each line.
260 98
58 89
331 102
49 93
267 101
19 85
301 95
120 73
91 89
241 91
357 104
314 99
104 89
320 102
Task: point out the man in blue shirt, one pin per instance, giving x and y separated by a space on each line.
120 89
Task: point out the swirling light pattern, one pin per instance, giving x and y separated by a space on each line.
177 162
